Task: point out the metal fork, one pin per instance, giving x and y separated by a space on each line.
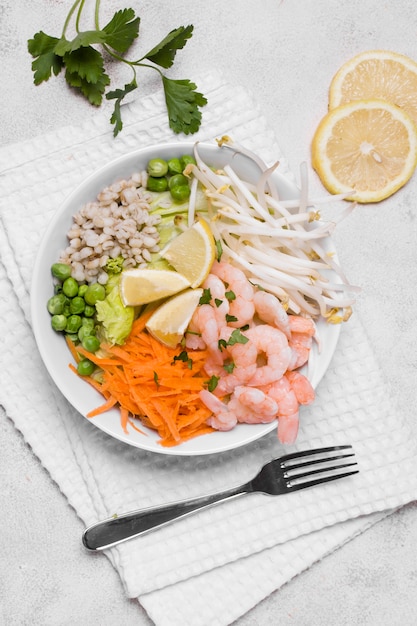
289 473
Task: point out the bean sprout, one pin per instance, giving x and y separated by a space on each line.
283 246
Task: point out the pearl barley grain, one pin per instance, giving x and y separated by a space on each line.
118 223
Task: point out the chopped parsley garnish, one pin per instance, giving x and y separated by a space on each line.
237 337
212 383
183 356
206 297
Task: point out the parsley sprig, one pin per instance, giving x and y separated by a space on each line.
85 70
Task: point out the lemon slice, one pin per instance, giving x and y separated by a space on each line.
368 147
141 286
192 252
377 74
170 320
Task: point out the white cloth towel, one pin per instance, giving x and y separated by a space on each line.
198 566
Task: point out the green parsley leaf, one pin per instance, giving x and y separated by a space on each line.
183 356
219 249
218 302
237 337
183 104
42 49
87 63
164 53
122 30
92 91
118 95
212 383
82 40
222 344
230 318
230 295
206 297
156 378
229 367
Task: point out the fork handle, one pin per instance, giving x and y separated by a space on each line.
114 530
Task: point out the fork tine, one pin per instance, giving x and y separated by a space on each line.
326 459
328 471
321 470
298 455
318 481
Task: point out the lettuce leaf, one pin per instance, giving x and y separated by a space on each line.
116 318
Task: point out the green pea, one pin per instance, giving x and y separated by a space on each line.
88 323
85 367
177 180
70 287
186 159
67 310
58 289
84 331
157 184
180 193
174 166
157 168
77 305
56 304
81 290
91 343
73 324
94 293
89 310
59 322
62 271
74 338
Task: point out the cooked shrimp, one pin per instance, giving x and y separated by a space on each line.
233 365
301 386
272 346
252 406
218 300
223 418
300 345
288 415
229 381
302 333
300 324
271 311
213 366
288 428
193 338
204 320
242 306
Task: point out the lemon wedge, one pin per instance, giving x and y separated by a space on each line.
192 252
141 286
368 147
378 74
170 320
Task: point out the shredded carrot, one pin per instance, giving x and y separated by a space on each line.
153 383
109 404
73 349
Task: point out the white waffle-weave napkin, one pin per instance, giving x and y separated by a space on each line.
188 565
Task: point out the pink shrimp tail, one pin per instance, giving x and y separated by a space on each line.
301 386
288 428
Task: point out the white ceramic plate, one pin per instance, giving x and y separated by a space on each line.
54 351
